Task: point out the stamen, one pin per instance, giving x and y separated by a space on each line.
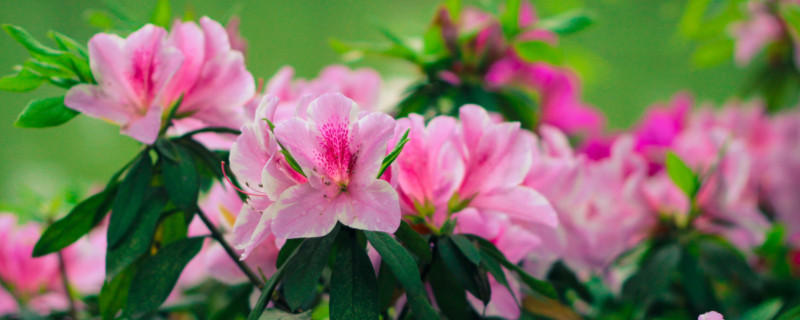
234 185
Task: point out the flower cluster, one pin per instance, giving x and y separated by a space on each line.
490 190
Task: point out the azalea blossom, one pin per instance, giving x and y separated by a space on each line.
341 155
140 77
711 315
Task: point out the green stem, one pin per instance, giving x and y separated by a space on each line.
229 250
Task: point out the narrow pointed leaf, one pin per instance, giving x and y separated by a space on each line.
131 194
303 272
48 112
681 175
22 81
138 239
392 156
354 288
414 242
181 178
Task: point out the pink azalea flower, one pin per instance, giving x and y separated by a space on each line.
782 174
238 42
601 207
341 156
711 315
497 157
559 92
430 168
31 278
8 304
85 261
361 85
753 35
141 76
658 128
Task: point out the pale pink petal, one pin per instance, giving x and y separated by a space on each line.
8 305
222 89
304 212
188 38
297 136
248 220
216 38
105 52
374 131
373 207
254 147
262 230
519 203
145 129
96 102
712 315
278 176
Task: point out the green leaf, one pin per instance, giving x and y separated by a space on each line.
387 284
22 81
354 288
698 288
568 22
66 43
36 48
414 242
174 228
542 287
682 175
181 179
138 239
392 156
277 314
78 222
162 14
791 15
764 311
114 293
539 51
48 112
494 268
509 18
204 158
713 52
792 314
467 274
99 19
654 275
131 194
563 278
286 250
454 8
302 272
467 248
269 287
158 275
451 298
405 270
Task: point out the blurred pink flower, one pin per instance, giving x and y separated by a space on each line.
8 304
497 157
711 315
658 128
238 42
30 279
362 86
558 89
140 77
753 35
341 155
781 175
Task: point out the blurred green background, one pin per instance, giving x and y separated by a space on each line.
630 58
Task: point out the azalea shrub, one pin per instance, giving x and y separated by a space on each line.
486 189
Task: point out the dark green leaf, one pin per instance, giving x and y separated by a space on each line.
654 275
354 288
212 130
22 81
405 270
138 239
78 222
698 287
162 14
302 272
417 101
451 298
467 274
563 278
387 284
720 259
174 227
114 293
568 22
157 276
131 194
269 287
537 285
286 250
387 161
681 175
277 314
764 311
204 157
539 51
181 179
467 248
494 268
48 112
414 242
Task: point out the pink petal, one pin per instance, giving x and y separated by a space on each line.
374 207
712 315
374 131
145 129
520 203
248 220
188 38
216 38
254 147
303 212
221 90
262 230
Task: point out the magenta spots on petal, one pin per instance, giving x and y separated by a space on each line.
334 155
